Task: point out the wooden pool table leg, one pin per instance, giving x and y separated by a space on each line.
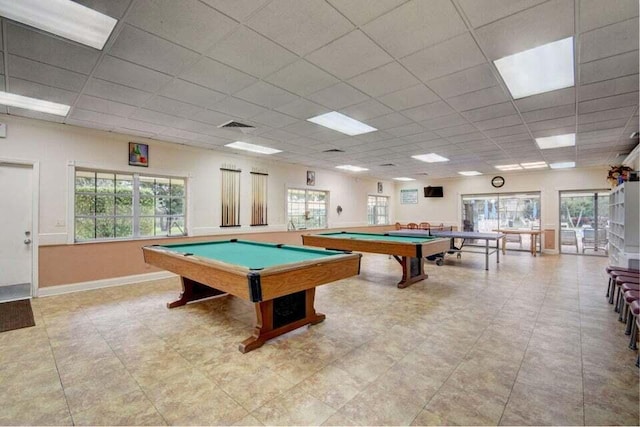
412 270
193 291
264 329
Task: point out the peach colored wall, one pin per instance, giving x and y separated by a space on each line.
67 264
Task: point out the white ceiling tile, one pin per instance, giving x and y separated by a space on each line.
456 130
609 68
469 80
415 25
547 100
237 9
554 124
118 71
490 112
36 90
303 128
315 23
137 125
50 50
349 55
45 74
552 131
302 78
442 122
100 105
486 11
609 88
422 137
617 101
265 94
448 57
429 111
549 113
184 91
608 41
182 134
172 107
545 23
217 76
35 115
302 109
156 117
366 110
238 108
252 53
499 122
94 116
405 130
467 137
188 23
87 124
389 121
145 49
116 92
338 96
409 98
510 130
597 13
480 98
274 119
362 11
386 79
201 128
606 124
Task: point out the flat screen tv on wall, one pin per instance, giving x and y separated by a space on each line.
433 192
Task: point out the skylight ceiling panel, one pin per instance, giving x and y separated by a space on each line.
609 68
608 103
385 79
349 56
118 71
266 95
549 113
490 112
338 96
480 98
276 18
217 76
302 109
252 53
608 41
547 100
415 25
469 80
409 98
188 23
456 54
45 74
611 87
92 103
172 107
366 110
39 91
596 13
41 47
181 90
428 111
150 51
541 24
302 78
116 92
615 113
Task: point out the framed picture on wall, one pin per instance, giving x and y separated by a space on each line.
380 187
138 154
311 178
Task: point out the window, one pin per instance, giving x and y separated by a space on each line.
306 209
111 205
377 210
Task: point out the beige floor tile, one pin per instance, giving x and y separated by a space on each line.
48 409
256 388
294 408
363 365
131 408
333 386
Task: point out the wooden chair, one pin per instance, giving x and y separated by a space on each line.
398 226
424 226
569 237
412 226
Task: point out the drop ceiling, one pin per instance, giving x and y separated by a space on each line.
419 71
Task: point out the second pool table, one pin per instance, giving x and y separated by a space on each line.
280 280
409 251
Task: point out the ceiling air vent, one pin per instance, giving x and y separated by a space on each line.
333 150
235 125
387 164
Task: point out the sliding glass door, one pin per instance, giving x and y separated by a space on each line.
584 222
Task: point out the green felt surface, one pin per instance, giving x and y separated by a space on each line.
380 237
253 255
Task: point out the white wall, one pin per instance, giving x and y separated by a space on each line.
59 147
448 209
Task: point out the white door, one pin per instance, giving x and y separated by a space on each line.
15 231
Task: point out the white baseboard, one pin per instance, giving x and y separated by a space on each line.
103 283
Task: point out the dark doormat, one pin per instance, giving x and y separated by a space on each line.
16 315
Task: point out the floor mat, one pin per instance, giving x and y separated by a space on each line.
16 315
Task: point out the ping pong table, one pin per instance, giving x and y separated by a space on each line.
465 236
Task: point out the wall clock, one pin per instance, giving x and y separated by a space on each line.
497 181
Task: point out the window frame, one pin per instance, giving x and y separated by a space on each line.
327 203
375 206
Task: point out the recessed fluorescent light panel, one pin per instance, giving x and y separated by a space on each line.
513 167
470 173
538 70
534 165
403 178
556 141
562 165
34 104
341 123
64 18
352 168
430 158
252 147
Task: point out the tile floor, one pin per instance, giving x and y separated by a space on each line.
532 341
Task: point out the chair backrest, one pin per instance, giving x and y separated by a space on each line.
589 234
398 226
568 237
424 225
412 226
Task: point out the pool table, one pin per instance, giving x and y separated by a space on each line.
280 280
409 251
